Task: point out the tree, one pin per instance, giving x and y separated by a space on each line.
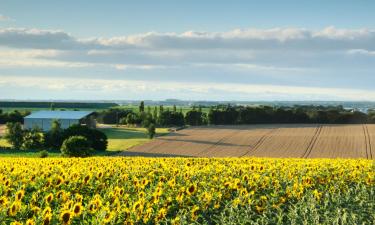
97 139
151 130
33 139
54 137
52 106
132 119
174 108
14 134
195 118
76 146
147 120
155 114
142 107
170 118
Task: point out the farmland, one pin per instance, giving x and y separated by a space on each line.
296 141
115 190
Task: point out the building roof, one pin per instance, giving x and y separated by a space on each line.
58 115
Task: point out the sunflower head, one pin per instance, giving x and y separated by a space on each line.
19 195
48 199
47 219
30 222
191 189
65 217
77 209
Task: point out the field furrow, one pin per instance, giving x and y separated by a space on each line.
286 140
340 141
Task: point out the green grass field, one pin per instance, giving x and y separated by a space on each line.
119 139
122 138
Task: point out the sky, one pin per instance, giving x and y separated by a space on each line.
190 50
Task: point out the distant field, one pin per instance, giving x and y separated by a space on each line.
297 141
122 138
184 109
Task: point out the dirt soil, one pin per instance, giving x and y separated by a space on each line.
296 141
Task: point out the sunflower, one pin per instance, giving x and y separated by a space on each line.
86 179
30 222
65 217
14 208
79 197
15 223
191 189
59 181
47 219
108 217
176 221
161 214
77 209
48 199
47 211
19 195
3 201
194 212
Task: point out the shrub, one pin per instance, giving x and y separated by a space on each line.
76 146
14 134
97 139
151 131
33 139
43 154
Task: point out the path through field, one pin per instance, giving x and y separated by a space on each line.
297 141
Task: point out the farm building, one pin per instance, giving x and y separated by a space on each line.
44 119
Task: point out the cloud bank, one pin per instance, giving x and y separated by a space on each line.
258 59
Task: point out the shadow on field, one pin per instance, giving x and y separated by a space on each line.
219 143
147 154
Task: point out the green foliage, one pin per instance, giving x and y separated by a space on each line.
196 118
171 118
151 131
97 139
132 119
147 120
54 137
142 106
297 114
43 154
112 116
76 146
14 134
33 139
12 117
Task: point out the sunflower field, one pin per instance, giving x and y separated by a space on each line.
116 190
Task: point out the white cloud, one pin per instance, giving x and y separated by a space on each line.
361 52
292 38
207 91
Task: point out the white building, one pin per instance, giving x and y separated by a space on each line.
44 119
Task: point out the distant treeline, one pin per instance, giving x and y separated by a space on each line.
69 105
232 115
297 114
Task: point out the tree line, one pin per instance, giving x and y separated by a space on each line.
231 115
77 140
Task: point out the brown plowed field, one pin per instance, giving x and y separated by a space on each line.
299 141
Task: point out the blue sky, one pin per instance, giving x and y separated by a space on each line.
193 50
